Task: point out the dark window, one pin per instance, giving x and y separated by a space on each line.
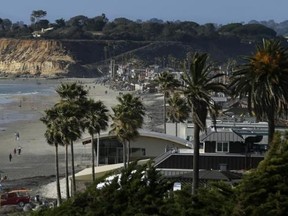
222 147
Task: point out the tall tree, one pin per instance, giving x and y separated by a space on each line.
54 137
36 15
264 191
128 118
178 110
199 84
167 84
96 119
75 96
264 80
69 128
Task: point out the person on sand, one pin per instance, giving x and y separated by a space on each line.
19 150
10 157
15 151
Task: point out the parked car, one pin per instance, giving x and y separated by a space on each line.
15 197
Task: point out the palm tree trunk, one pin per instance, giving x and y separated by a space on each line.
66 172
93 157
164 112
73 169
195 184
124 154
98 149
59 200
271 128
128 152
176 129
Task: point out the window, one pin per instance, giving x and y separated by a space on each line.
222 147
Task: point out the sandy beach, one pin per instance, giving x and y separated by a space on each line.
37 157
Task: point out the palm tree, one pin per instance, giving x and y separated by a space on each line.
264 80
96 119
72 91
74 97
128 118
178 110
199 84
167 84
54 137
69 128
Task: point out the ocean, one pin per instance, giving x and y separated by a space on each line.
12 91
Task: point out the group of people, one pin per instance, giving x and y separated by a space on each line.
19 149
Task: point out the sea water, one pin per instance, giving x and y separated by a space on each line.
11 91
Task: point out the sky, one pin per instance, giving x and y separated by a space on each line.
200 11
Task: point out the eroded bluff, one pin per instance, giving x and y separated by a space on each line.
51 57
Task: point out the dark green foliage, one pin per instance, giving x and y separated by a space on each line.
127 119
247 31
141 190
100 27
138 190
214 199
229 28
263 81
200 82
265 190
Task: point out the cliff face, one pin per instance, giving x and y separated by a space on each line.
43 57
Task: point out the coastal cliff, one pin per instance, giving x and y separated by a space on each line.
35 57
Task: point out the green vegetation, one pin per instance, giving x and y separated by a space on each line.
178 110
199 84
96 119
167 84
264 79
63 128
100 27
264 190
127 119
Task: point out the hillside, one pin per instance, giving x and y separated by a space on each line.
81 58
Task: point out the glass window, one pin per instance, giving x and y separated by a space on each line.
219 147
225 147
222 147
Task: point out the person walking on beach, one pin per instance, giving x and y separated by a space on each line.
19 150
10 157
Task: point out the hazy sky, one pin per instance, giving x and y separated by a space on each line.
200 11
